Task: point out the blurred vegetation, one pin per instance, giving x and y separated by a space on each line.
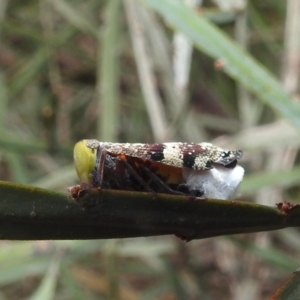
120 71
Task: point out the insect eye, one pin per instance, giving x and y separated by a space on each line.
225 154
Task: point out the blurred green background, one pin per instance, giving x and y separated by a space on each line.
148 71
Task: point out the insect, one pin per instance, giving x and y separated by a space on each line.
175 168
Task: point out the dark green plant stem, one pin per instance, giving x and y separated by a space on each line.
28 213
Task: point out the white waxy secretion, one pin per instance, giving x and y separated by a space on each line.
217 183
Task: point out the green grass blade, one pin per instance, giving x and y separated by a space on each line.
75 17
237 63
47 288
290 289
285 179
108 75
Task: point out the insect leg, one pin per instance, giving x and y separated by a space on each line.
99 165
121 175
187 190
137 176
161 184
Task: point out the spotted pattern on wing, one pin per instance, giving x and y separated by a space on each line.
182 155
